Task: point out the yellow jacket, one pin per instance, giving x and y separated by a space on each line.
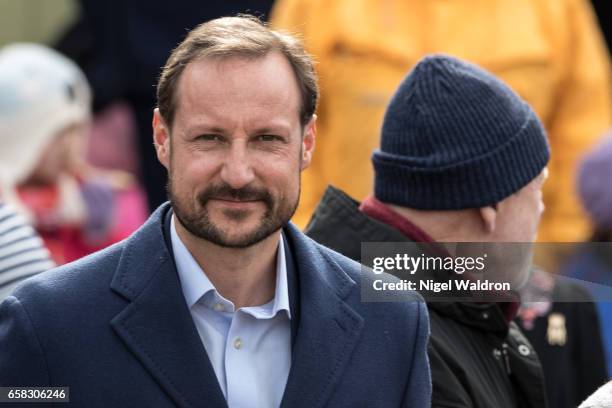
550 51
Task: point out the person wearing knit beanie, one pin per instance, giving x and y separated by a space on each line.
462 159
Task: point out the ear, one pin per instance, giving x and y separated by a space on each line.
161 138
308 142
488 215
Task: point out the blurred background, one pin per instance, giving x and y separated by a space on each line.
35 20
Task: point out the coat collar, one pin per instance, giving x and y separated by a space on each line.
158 329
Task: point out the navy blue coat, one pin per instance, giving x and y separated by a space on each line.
115 328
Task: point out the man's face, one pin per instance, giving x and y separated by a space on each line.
236 148
519 219
510 252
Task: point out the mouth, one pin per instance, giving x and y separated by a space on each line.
233 203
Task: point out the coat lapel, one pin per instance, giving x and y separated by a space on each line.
329 328
157 326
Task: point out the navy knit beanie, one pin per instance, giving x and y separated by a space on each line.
456 137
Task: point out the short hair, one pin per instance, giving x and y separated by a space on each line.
243 35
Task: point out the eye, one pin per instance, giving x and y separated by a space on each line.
210 138
269 138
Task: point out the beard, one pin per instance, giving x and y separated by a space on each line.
198 221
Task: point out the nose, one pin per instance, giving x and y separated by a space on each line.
237 171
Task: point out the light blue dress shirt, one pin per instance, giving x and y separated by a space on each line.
249 348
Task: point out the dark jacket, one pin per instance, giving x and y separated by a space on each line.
478 359
115 328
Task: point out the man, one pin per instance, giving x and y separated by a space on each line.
217 300
462 159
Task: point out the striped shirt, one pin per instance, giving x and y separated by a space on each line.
22 252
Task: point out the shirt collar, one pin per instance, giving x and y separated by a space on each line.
195 284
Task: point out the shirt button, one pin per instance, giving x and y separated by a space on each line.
218 307
238 343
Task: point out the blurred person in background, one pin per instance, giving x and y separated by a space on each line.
122 45
22 252
549 51
561 321
44 121
592 262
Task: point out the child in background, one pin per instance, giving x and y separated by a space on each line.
44 121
